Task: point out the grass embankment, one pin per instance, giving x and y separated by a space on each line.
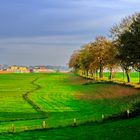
119 130
65 97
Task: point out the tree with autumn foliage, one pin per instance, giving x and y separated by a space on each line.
74 60
103 55
96 56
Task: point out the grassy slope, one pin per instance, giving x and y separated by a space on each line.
65 97
122 130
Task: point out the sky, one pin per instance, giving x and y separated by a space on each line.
46 32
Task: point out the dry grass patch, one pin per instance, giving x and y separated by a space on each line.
108 92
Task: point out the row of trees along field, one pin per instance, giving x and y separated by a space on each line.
121 50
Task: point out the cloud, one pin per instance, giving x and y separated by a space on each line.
47 31
53 50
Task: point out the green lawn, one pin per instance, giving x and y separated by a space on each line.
59 98
134 76
12 104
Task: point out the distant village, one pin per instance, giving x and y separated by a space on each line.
31 69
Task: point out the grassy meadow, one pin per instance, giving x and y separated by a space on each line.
26 100
120 76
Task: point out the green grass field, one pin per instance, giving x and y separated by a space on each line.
123 130
28 99
120 76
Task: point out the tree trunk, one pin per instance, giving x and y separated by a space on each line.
139 77
123 75
91 73
111 73
127 75
101 72
96 73
86 72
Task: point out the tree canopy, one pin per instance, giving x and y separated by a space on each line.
123 50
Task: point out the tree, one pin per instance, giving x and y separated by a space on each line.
131 40
95 56
74 60
135 35
101 52
113 62
122 27
93 61
85 58
125 53
122 37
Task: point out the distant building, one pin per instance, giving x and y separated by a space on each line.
18 69
31 69
40 69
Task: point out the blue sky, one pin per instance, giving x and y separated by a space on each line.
34 32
